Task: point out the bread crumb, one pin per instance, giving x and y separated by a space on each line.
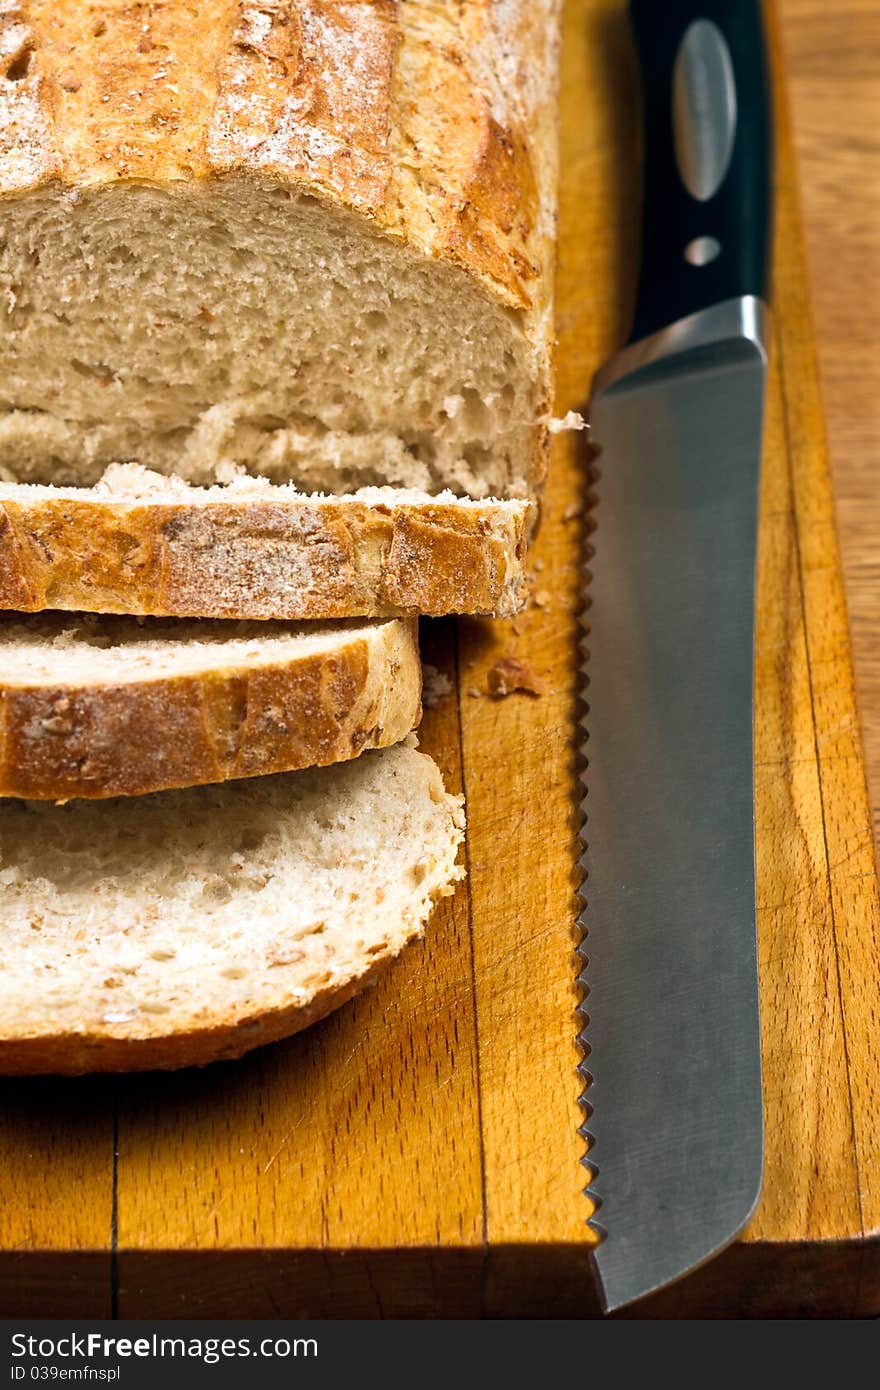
510 675
435 686
475 692
573 511
571 420
541 598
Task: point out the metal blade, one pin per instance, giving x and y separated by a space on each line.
673 1030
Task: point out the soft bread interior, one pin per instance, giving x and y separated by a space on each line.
210 912
232 324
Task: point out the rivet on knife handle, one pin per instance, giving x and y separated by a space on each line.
674 1104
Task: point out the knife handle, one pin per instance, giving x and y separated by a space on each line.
707 156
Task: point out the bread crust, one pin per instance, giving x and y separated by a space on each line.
239 718
307 557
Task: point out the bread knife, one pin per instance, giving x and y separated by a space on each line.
671 1038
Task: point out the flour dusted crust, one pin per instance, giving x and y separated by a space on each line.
92 724
281 556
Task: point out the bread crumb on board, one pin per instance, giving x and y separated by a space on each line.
435 686
510 675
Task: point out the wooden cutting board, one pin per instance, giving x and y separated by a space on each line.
417 1154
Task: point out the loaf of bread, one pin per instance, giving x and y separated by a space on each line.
175 929
310 239
101 707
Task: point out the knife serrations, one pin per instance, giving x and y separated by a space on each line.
585 1130
588 1160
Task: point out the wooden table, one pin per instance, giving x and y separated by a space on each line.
417 1152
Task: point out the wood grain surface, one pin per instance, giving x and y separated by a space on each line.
416 1153
833 63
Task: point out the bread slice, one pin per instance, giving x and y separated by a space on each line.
194 925
141 543
99 707
312 241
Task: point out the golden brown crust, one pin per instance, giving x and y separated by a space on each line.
77 1054
232 719
434 121
303 558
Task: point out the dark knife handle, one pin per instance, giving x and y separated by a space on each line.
707 156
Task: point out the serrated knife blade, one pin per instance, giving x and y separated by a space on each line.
672 1034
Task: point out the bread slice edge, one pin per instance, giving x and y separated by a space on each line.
266 553
283 708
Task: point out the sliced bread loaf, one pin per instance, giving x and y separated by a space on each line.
194 925
99 707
